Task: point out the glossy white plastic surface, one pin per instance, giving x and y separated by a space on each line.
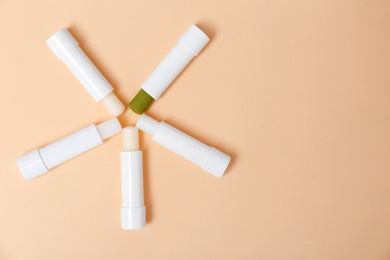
208 158
66 48
189 46
31 165
133 208
41 160
70 146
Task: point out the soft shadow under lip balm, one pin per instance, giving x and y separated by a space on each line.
67 49
40 161
208 158
133 208
189 46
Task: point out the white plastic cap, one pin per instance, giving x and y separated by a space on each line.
61 42
31 165
194 40
133 218
113 104
147 124
109 128
216 162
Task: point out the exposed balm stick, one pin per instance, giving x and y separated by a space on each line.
67 49
40 161
133 208
189 46
208 158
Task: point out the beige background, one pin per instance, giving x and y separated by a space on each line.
297 92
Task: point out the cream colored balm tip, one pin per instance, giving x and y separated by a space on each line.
130 138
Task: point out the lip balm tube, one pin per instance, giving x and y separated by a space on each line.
40 161
189 46
67 49
133 208
208 158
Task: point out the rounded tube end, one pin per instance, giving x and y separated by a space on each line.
133 218
31 165
216 162
61 42
194 39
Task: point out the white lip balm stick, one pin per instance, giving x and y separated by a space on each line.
67 49
133 208
208 158
189 46
40 161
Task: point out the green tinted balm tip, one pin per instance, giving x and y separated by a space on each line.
141 102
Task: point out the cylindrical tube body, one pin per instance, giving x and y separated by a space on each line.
66 48
166 72
70 146
181 143
40 161
132 179
86 72
133 208
189 46
208 158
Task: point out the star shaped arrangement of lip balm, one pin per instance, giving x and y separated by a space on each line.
211 160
